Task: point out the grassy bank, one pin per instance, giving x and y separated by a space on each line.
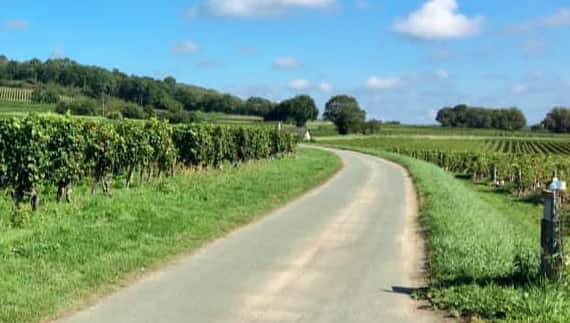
65 254
484 249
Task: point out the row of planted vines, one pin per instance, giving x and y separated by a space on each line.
519 146
517 166
527 173
57 151
15 94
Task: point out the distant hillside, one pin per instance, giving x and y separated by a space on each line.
67 78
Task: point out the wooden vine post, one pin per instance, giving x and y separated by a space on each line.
552 258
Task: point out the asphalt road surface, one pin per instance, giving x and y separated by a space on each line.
345 252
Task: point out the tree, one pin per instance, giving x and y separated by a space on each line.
345 113
42 94
132 111
257 106
558 120
463 116
299 109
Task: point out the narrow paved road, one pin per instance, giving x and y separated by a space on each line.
335 255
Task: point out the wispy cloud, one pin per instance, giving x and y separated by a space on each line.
185 48
299 85
560 18
15 24
375 83
325 87
254 8
439 19
519 88
442 74
287 63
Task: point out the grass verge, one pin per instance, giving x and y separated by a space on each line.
484 249
65 254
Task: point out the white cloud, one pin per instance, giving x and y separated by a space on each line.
560 18
439 19
299 85
442 74
519 88
255 8
325 87
375 83
185 47
288 63
16 24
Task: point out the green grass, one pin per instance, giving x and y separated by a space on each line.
228 118
17 108
484 249
65 254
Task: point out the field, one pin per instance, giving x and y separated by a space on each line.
8 109
481 209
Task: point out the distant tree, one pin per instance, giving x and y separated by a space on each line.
463 116
299 110
372 126
82 107
257 106
170 81
133 111
558 120
345 113
149 112
3 59
43 94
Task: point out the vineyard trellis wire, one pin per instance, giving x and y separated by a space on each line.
9 94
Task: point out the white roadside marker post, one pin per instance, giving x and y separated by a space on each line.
551 241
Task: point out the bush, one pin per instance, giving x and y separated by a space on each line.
82 107
44 94
133 111
372 127
181 117
114 115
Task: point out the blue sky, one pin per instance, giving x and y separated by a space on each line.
403 60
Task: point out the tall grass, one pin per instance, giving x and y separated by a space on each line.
484 250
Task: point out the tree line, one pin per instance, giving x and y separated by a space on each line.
463 116
64 77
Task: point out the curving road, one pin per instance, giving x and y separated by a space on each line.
343 253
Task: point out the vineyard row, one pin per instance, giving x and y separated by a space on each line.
59 151
16 95
527 173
